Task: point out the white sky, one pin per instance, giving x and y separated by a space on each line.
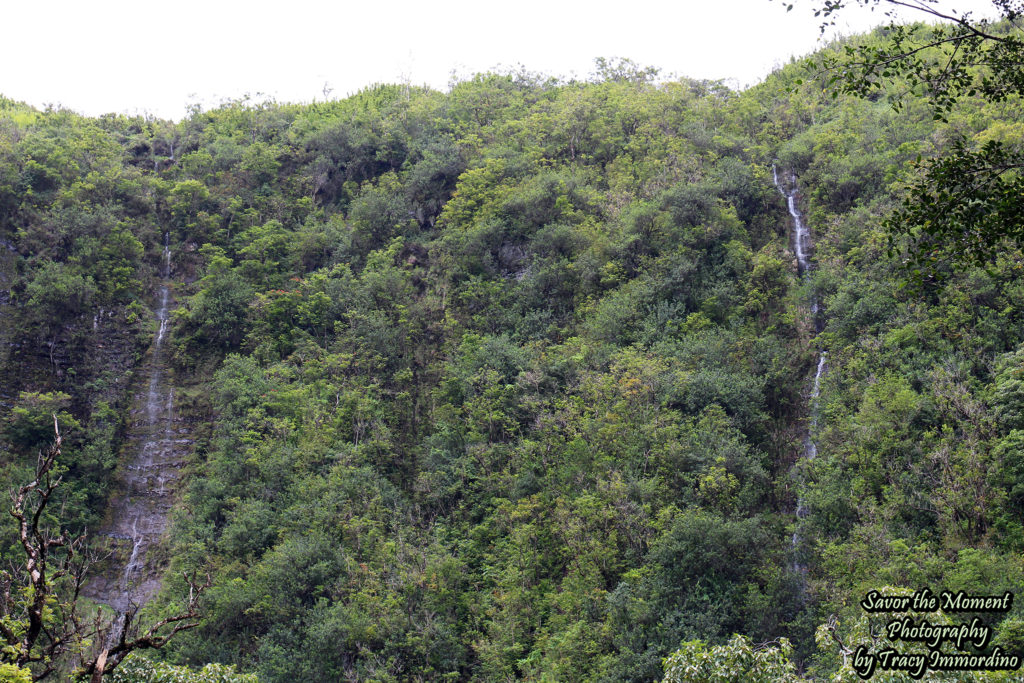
135 56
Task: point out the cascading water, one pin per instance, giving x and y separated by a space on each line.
139 512
810 450
801 240
801 234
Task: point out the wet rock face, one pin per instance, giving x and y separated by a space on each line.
157 447
802 246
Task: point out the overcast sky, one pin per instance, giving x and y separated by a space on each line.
137 56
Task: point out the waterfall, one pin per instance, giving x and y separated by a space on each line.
153 458
114 634
166 273
801 243
161 314
801 233
133 561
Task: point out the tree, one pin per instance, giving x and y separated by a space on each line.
137 668
41 620
734 662
969 56
621 70
216 315
962 204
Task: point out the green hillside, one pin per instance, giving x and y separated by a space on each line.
514 382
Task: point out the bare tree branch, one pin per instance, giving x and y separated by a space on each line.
55 568
112 655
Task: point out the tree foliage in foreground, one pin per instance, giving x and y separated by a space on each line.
963 204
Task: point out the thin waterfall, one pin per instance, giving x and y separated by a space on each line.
801 233
802 243
810 451
114 634
155 453
132 566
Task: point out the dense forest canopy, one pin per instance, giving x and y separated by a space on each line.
512 382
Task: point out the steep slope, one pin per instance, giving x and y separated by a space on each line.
156 446
510 382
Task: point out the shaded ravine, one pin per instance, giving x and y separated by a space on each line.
802 244
157 446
